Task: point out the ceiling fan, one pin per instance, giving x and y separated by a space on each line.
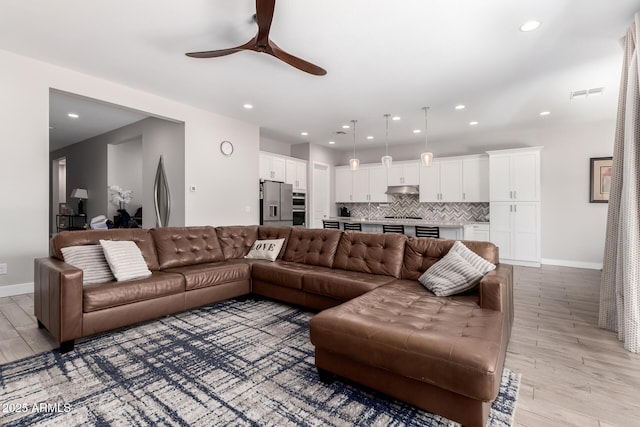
262 43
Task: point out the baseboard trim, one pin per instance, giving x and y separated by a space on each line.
11 290
520 263
575 264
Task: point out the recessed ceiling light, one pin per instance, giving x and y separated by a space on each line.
331 142
545 113
460 107
345 126
529 26
73 115
417 131
248 106
395 118
304 133
370 137
51 127
474 123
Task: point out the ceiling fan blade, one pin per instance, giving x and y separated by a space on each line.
296 62
264 17
250 45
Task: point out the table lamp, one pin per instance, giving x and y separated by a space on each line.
80 194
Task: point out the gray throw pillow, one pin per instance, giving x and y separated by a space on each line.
451 275
90 259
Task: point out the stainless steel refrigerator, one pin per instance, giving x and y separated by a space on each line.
276 203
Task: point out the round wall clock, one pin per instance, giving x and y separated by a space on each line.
226 147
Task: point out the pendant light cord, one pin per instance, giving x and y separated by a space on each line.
387 134
426 133
354 137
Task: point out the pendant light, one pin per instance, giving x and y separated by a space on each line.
386 159
427 156
354 162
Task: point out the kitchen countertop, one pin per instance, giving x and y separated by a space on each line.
405 221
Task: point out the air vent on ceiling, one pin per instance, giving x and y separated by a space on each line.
340 132
585 93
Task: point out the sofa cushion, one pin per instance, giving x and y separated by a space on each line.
342 284
451 275
453 346
270 232
283 273
312 246
420 253
105 295
141 237
90 259
212 274
235 241
180 246
265 249
374 253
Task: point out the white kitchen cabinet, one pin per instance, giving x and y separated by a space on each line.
404 174
475 179
343 185
360 185
272 168
451 233
367 184
478 232
378 184
296 174
442 181
515 229
430 183
514 182
514 175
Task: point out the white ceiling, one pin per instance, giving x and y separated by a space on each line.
381 56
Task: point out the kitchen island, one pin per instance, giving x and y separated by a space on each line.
456 230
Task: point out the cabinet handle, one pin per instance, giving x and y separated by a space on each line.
464 196
510 208
515 196
515 208
511 194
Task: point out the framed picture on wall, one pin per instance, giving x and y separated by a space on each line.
63 221
63 209
600 179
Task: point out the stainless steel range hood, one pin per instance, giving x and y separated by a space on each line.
402 189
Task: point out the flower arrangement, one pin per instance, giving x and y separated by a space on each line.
118 196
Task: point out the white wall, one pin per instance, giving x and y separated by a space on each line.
573 230
24 182
272 146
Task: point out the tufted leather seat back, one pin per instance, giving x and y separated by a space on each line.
180 246
236 240
140 236
422 252
270 232
374 253
312 246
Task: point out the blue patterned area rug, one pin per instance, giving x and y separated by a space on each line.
233 363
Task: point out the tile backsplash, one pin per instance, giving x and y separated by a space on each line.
409 205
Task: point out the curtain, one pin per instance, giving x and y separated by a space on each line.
620 287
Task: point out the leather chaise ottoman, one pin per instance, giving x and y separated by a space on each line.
440 355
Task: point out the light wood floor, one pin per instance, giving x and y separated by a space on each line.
573 373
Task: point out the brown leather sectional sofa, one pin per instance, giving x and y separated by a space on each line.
443 354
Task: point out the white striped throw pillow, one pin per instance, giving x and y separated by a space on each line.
479 263
90 259
451 275
125 259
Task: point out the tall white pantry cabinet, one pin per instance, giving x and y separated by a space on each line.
514 194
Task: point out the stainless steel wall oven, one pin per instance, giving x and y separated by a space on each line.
299 201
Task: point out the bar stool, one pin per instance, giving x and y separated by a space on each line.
422 231
331 224
353 226
395 228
